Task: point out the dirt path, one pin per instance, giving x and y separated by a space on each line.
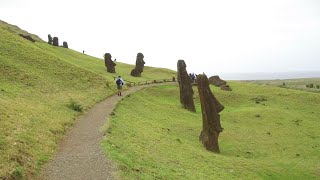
80 155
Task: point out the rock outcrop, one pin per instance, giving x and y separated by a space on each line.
109 63
55 41
225 87
211 108
65 44
136 72
186 91
28 37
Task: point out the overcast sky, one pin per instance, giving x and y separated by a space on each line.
212 36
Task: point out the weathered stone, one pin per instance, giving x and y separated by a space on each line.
186 91
215 80
49 39
109 63
211 108
28 37
55 41
65 44
225 87
136 72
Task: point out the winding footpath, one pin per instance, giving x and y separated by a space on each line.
80 155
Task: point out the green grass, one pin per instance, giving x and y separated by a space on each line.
157 139
299 84
42 90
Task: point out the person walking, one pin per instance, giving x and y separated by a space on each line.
120 83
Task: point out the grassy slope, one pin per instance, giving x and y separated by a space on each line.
293 83
37 82
158 140
96 65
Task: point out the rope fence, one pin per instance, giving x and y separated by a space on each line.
130 84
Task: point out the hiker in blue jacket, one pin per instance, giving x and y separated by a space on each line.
120 83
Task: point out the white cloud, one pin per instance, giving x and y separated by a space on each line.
211 36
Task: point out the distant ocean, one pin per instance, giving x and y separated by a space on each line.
267 76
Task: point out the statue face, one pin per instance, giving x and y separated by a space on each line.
182 64
107 56
140 55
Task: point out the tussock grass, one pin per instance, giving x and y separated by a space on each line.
151 137
76 106
37 81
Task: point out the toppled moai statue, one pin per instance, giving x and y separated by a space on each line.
215 80
186 91
65 44
211 108
55 41
109 63
49 39
28 37
136 72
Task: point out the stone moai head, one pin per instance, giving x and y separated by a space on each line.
65 44
109 63
49 39
136 72
107 56
186 91
55 41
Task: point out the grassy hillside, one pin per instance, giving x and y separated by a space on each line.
41 87
300 84
273 139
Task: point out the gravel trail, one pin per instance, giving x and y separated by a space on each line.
80 156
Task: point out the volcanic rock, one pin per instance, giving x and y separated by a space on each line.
28 37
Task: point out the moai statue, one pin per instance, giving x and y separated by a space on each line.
65 44
55 41
109 63
136 72
215 80
211 108
49 39
186 91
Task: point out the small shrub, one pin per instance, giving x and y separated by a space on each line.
283 84
17 173
259 99
311 85
76 106
318 86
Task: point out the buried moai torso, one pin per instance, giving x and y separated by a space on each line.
186 92
211 108
109 63
139 66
